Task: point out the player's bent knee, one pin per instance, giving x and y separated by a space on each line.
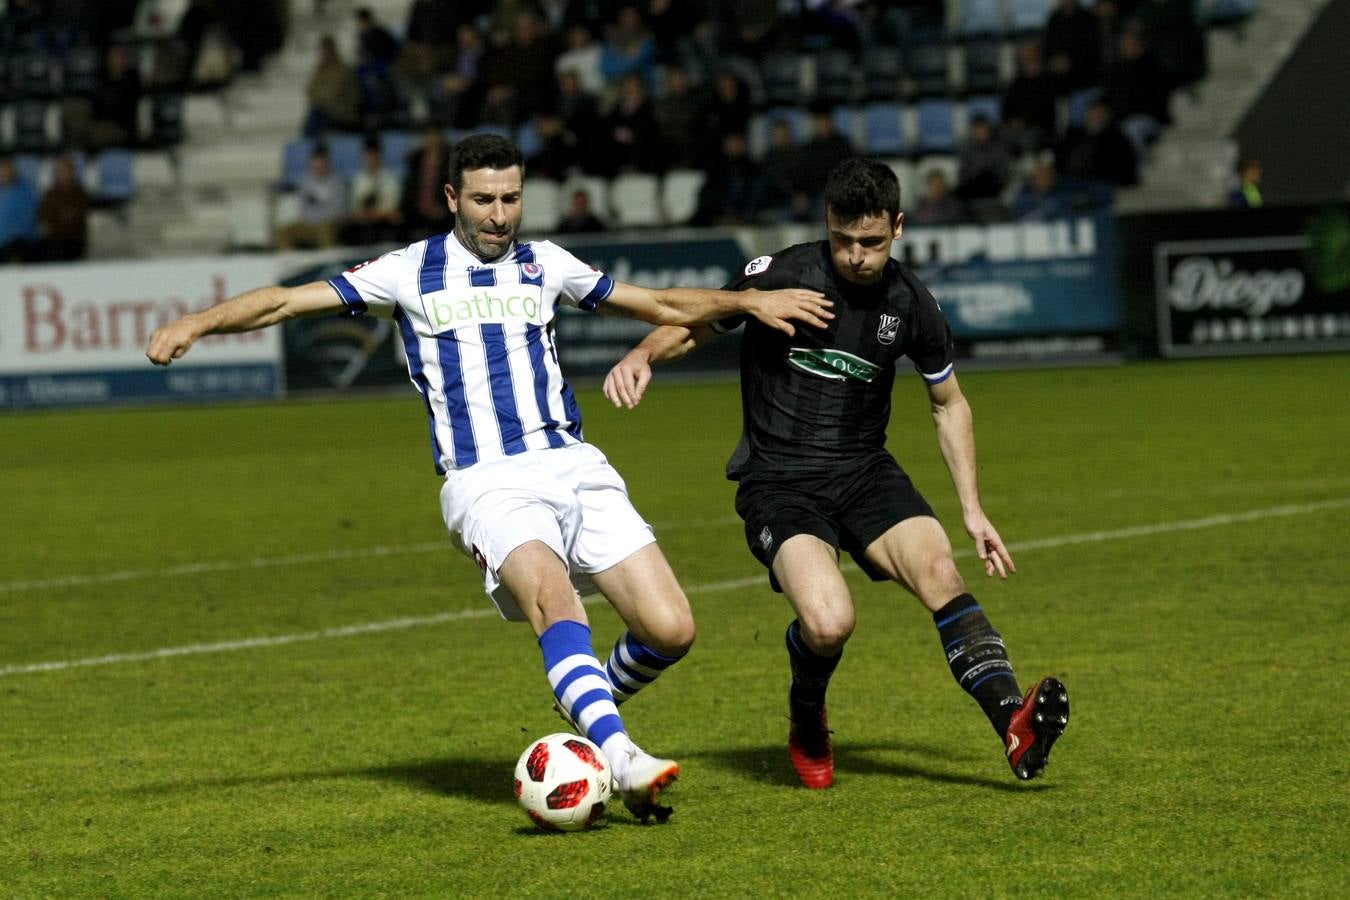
941 579
826 634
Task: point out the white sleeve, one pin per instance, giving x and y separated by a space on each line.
372 286
579 285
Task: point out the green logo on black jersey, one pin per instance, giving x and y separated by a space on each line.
833 364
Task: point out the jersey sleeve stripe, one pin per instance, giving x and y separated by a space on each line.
939 377
431 275
603 288
349 295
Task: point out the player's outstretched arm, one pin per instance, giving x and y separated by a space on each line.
696 306
956 438
627 381
248 311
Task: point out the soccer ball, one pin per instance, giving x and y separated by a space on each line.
563 782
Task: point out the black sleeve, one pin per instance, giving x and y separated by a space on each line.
930 338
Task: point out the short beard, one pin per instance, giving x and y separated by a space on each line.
471 243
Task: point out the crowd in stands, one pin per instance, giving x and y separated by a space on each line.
762 97
84 84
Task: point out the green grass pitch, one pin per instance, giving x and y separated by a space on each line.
1180 531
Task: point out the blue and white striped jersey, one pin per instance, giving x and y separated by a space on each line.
479 340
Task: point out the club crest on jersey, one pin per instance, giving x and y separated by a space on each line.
888 328
531 270
758 265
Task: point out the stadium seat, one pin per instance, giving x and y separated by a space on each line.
937 128
635 200
882 74
927 69
982 72
344 152
543 206
836 77
946 163
1025 16
781 79
904 173
395 147
295 161
980 17
115 180
528 140
990 107
598 188
883 130
679 194
32 132
30 168
846 122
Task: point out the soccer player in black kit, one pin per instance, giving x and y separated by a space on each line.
815 477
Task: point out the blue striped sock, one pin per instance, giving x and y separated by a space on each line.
580 685
633 665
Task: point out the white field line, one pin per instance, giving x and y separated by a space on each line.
1216 521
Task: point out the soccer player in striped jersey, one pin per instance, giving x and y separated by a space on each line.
815 477
539 510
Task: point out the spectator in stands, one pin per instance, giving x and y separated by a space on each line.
373 205
518 74
629 48
1135 87
729 193
633 139
457 95
1029 106
323 204
423 203
582 56
825 149
677 115
428 42
1098 151
114 112
378 48
725 111
18 214
1109 23
557 155
1247 194
63 215
984 166
334 93
669 22
779 172
938 206
1040 198
1171 28
1071 47
748 27
579 218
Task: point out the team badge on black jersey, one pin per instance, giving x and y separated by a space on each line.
888 328
758 265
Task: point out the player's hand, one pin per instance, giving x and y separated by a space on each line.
170 342
627 381
778 309
989 546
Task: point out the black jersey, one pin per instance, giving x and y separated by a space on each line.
823 395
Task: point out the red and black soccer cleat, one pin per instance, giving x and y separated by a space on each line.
809 746
1036 726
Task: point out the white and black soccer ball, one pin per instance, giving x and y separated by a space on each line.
563 782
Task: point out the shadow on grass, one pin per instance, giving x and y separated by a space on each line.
770 765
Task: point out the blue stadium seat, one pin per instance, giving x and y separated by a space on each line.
882 73
836 77
990 107
1028 15
395 147
980 17
116 179
527 139
30 169
846 123
884 130
295 161
983 67
937 128
927 68
344 152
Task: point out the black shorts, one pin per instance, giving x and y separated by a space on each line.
848 509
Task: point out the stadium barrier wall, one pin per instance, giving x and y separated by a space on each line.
75 335
1234 283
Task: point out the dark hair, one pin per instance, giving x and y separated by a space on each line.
858 187
482 151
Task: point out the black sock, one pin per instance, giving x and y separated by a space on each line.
979 660
810 671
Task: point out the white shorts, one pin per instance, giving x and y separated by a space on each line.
570 498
